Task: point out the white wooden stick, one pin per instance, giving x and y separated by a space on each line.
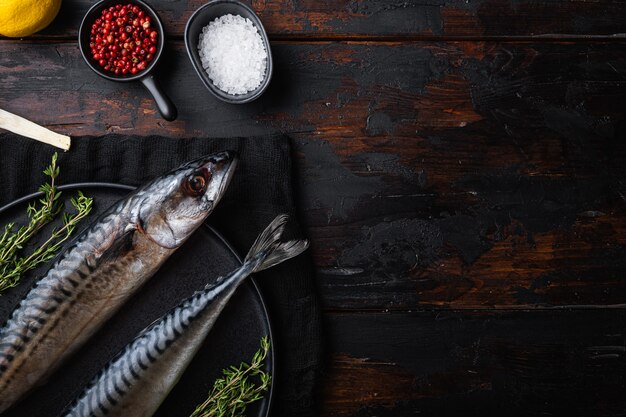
21 126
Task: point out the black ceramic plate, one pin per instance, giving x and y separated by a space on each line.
201 260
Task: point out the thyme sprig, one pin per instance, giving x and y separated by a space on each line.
50 206
232 393
12 267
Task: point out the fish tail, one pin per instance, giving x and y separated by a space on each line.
268 250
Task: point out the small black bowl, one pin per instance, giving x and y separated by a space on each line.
164 104
202 17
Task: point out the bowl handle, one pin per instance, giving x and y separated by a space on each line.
164 104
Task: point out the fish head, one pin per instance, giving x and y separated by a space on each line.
176 204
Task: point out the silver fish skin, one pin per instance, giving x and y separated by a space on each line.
136 382
102 268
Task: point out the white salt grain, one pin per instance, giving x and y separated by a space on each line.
233 54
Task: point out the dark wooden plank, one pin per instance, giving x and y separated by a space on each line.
550 363
397 18
456 174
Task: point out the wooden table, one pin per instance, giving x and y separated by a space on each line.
462 173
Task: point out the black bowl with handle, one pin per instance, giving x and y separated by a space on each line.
205 15
146 77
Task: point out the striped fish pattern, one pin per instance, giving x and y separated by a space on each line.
102 268
137 381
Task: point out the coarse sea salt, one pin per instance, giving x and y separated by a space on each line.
233 54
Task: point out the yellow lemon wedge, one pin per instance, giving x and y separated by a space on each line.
24 17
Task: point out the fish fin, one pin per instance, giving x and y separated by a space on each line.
118 245
268 250
160 233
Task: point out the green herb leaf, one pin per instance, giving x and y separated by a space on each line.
232 393
50 205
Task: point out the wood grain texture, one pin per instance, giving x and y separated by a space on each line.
342 19
461 172
453 174
556 363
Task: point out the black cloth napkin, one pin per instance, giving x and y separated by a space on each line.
261 189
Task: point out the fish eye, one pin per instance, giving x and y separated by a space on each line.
195 185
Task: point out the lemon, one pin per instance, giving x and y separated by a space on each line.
24 17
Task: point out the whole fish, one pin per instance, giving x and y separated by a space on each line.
104 265
137 381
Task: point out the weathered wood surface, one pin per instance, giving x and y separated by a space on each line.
340 19
456 161
458 174
550 363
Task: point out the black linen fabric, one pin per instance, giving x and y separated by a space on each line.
261 189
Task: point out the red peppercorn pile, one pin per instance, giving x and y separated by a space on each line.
122 39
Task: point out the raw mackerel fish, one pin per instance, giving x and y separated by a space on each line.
137 381
102 268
